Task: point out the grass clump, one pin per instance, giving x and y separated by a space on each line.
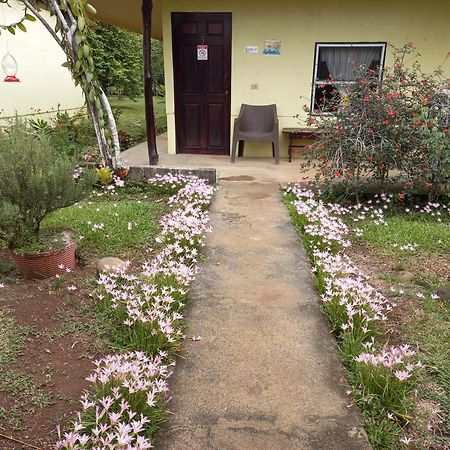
12 338
27 397
108 227
430 237
430 328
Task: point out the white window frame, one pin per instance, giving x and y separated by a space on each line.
316 82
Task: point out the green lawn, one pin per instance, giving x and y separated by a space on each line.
431 237
132 116
111 227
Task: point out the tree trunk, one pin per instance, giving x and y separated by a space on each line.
147 7
116 157
101 139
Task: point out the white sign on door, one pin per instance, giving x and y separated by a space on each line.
202 53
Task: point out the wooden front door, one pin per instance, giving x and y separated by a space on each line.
202 83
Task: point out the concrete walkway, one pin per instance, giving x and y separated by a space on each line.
265 375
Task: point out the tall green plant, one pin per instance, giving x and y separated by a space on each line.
35 179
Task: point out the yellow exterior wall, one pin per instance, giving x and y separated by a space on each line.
299 24
45 85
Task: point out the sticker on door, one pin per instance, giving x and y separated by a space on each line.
202 53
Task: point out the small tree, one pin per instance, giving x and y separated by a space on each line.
395 127
35 179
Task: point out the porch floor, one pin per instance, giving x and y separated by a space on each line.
262 168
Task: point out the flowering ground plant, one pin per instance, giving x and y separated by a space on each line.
381 378
125 402
123 408
121 172
389 375
148 308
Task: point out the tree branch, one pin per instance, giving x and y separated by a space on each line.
61 17
73 25
112 126
44 22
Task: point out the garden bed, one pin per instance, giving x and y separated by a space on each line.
382 269
55 334
58 331
52 331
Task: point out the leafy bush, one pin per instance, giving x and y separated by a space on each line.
70 134
35 179
390 128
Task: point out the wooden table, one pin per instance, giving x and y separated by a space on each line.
299 134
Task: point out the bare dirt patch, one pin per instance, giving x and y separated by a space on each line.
42 387
408 274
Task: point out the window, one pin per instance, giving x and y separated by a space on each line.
334 69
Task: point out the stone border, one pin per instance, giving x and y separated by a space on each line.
142 173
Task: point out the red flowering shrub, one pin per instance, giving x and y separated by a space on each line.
125 140
393 127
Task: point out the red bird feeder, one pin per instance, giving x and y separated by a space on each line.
10 68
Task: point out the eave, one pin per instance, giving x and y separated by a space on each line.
128 14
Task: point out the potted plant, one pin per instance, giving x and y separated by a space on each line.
36 179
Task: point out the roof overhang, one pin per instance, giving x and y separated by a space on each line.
128 14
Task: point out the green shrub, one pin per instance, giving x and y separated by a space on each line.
70 134
35 179
394 127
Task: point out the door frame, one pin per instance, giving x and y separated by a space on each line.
178 116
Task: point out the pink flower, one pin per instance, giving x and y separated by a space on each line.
406 440
402 375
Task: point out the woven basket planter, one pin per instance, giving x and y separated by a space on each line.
48 264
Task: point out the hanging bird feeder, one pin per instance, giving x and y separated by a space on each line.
10 67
